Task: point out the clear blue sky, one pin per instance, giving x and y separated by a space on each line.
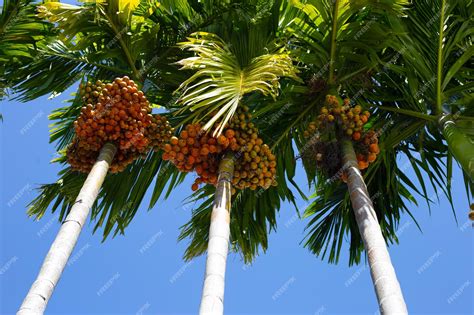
435 267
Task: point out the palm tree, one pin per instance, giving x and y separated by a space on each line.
64 55
66 239
344 41
221 81
350 54
437 98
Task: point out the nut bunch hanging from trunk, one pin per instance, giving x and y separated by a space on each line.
338 120
116 112
195 150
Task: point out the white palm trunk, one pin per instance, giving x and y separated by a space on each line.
385 281
212 301
62 247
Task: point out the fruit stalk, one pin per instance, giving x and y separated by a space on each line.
66 239
212 301
387 288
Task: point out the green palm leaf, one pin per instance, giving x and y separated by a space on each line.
344 37
220 82
21 34
119 198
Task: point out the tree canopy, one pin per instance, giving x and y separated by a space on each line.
410 64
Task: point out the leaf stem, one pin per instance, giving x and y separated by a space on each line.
439 108
13 15
119 36
332 57
84 60
408 112
287 130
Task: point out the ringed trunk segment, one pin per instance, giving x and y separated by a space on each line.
212 300
387 287
40 292
460 144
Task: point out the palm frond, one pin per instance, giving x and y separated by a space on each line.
58 68
438 37
340 39
219 84
434 83
21 34
119 198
